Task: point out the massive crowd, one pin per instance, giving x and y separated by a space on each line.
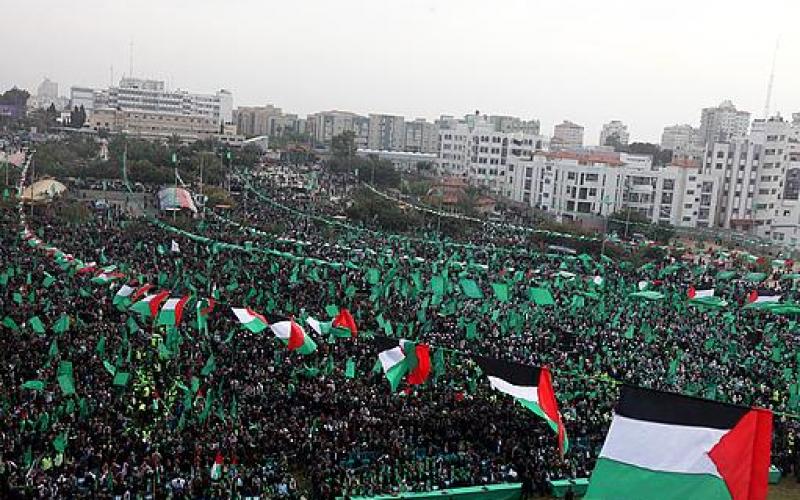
293 426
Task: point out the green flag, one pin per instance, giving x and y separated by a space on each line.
121 379
36 324
34 385
209 367
60 442
9 323
67 384
541 296
62 324
350 369
48 280
471 289
500 291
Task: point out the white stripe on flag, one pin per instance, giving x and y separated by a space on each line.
662 447
768 298
282 329
314 324
528 393
701 294
242 315
125 291
391 357
170 305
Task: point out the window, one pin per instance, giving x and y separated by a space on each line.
571 176
591 177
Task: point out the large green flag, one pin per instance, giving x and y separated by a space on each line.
9 323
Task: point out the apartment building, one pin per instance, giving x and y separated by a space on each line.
614 129
386 132
723 123
422 136
323 126
567 135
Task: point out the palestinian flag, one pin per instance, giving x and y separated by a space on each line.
123 295
105 278
704 297
150 305
343 325
762 297
403 358
84 268
250 319
172 312
216 468
531 386
662 446
292 335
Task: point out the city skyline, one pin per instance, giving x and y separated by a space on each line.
639 71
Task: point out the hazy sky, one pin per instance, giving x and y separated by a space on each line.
647 62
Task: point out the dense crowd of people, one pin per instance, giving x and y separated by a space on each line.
294 426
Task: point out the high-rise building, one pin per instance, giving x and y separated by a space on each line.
46 96
614 129
679 138
253 121
421 137
323 126
723 123
386 132
136 94
567 135
473 148
510 124
48 89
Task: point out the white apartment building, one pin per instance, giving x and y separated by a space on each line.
614 128
474 148
575 186
324 125
679 139
386 132
723 123
510 124
136 94
422 136
567 135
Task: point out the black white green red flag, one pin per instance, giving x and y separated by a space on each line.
667 446
531 386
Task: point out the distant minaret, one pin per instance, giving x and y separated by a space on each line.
771 79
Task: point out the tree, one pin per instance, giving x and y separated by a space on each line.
343 146
629 221
77 117
613 140
660 156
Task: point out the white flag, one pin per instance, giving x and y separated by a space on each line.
175 248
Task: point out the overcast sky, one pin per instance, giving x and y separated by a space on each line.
587 61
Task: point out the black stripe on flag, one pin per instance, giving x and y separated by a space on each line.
513 373
670 408
384 343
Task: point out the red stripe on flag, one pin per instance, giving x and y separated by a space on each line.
155 304
742 456
420 372
138 294
207 310
296 336
549 405
345 320
179 309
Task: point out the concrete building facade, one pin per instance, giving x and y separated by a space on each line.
723 123
614 128
386 132
567 135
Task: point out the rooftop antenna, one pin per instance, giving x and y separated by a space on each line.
771 79
130 68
